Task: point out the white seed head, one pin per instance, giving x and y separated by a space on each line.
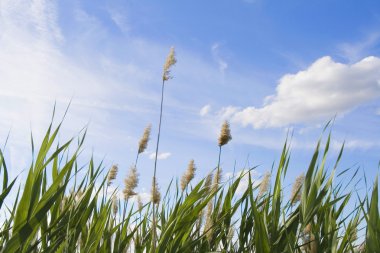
264 185
170 61
225 134
112 174
188 175
144 139
130 183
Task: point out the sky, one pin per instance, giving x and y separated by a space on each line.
269 67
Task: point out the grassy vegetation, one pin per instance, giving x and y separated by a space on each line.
62 207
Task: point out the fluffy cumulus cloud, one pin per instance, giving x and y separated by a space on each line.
325 89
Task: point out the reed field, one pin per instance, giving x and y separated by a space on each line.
63 205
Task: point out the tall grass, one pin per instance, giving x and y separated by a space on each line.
57 210
64 206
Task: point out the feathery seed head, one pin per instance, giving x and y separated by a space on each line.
200 219
308 239
218 176
115 204
264 185
144 139
188 175
217 179
139 203
225 134
170 61
130 183
79 194
354 234
112 174
231 233
156 195
209 222
64 202
307 229
296 190
208 181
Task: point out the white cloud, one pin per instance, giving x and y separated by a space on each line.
38 17
120 19
354 144
354 51
144 196
228 112
161 156
38 68
243 185
205 110
221 62
318 93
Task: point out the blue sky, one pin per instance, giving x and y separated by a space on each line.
266 66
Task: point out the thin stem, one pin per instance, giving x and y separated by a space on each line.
137 158
217 173
155 169
220 152
159 129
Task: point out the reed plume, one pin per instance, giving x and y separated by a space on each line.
170 61
112 174
208 182
231 233
307 229
156 195
200 220
130 183
224 138
216 181
209 222
78 195
64 202
264 185
139 203
310 245
296 190
225 134
354 234
143 143
115 204
188 175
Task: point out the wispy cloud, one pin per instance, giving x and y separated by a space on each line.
223 65
120 19
205 110
355 51
161 156
355 144
37 70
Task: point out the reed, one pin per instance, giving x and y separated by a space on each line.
52 214
170 61
188 175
